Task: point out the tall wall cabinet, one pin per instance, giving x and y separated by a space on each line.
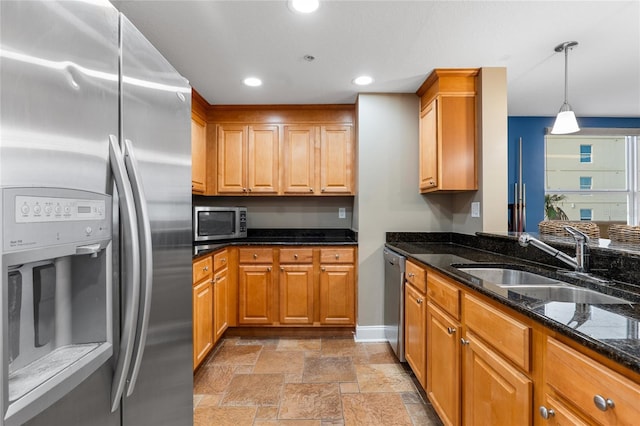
448 133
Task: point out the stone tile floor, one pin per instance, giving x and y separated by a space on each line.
318 382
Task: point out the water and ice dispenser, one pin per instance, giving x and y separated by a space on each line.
56 310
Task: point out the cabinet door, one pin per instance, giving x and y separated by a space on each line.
263 162
221 304
255 295
336 160
494 392
443 364
429 147
198 154
337 294
232 159
299 170
202 321
415 324
296 294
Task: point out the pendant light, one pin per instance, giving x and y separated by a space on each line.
566 120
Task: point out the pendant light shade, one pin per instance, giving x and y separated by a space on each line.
566 120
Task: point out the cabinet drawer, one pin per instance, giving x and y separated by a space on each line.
417 276
220 260
202 269
296 255
507 335
443 294
255 255
580 380
337 255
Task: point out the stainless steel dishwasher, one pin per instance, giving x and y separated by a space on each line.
394 267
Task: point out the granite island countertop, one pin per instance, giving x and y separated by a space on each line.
611 330
268 237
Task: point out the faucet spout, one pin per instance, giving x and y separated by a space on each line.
526 239
582 248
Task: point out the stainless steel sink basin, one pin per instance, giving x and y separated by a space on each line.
566 293
508 277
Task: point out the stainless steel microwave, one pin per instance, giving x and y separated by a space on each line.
219 223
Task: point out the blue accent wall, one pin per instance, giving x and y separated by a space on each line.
531 129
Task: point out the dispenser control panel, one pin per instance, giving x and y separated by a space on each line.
48 209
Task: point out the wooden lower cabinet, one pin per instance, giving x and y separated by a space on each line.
415 322
221 303
256 295
337 294
494 392
443 364
202 324
296 294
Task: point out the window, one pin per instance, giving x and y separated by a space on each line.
585 154
586 182
586 214
595 174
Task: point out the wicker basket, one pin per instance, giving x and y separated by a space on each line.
556 228
624 233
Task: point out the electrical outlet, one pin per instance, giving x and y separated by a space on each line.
342 213
475 209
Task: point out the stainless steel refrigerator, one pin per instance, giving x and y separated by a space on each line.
95 167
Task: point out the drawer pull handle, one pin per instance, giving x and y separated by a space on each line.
546 413
451 330
244 189
205 269
463 341
323 189
282 268
419 301
411 275
337 256
268 268
295 256
323 269
602 403
255 256
310 189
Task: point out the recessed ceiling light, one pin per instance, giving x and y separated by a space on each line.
304 6
252 82
363 80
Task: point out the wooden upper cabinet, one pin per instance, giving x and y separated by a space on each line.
232 159
263 164
198 154
448 131
428 147
299 170
336 160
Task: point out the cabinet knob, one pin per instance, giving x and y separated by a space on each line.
244 189
310 189
295 256
249 189
411 275
323 269
322 189
206 268
337 256
419 301
464 341
255 256
213 281
602 403
451 330
282 268
546 413
268 268
223 260
432 183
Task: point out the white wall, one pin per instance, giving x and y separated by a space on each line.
388 197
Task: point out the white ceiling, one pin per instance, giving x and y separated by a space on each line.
215 44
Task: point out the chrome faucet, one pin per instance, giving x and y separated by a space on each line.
580 263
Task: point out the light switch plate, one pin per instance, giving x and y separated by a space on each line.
475 209
342 213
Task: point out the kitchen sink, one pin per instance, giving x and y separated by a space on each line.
508 277
566 293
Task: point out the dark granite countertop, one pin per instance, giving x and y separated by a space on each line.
612 330
268 237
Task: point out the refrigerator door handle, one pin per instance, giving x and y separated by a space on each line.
146 254
132 278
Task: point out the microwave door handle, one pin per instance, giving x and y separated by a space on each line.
146 254
131 283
